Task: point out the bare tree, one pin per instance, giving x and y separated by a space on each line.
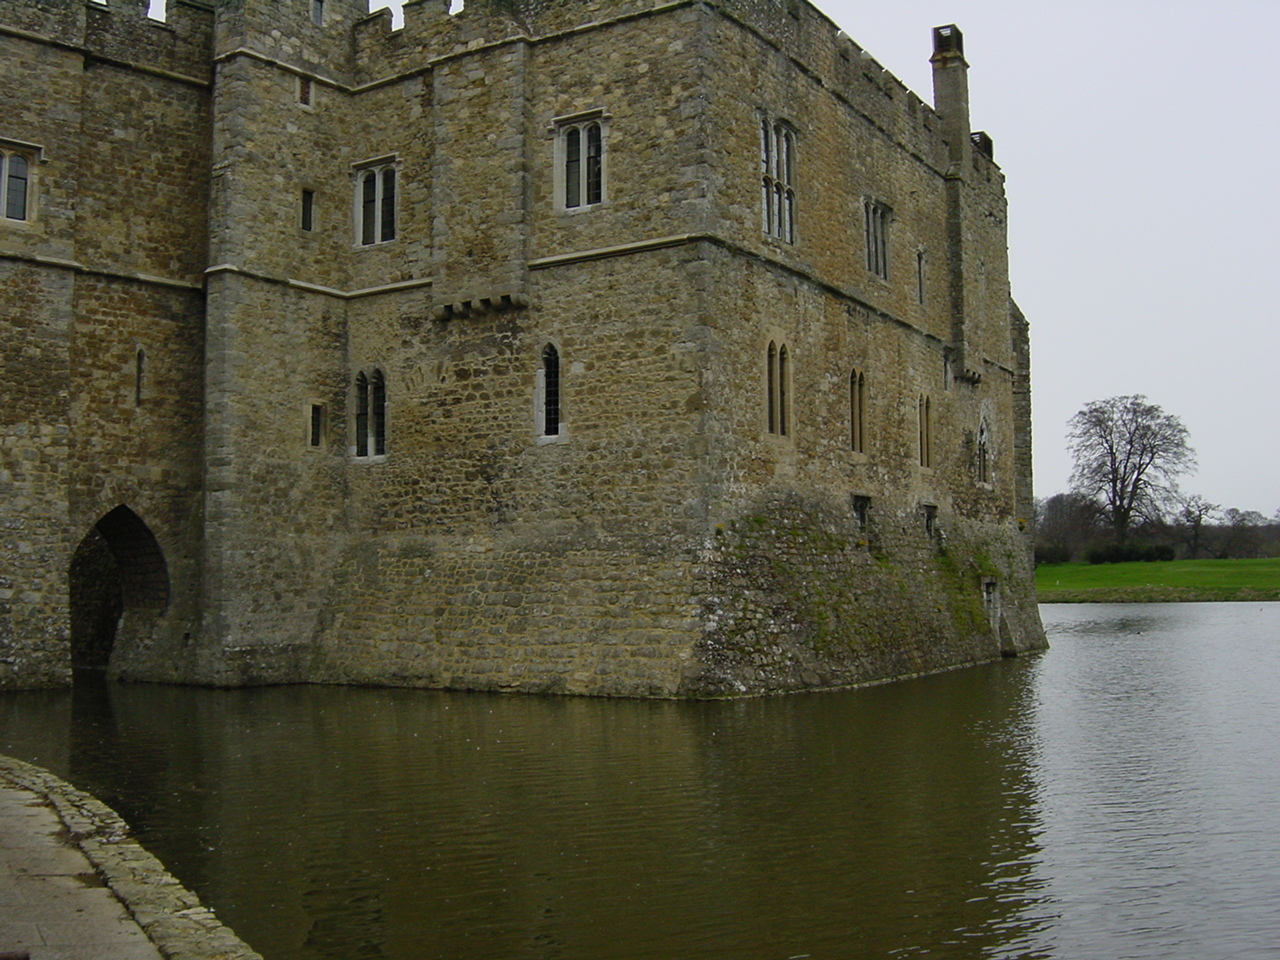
1065 524
1242 533
1195 511
1128 455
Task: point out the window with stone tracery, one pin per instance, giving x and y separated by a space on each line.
581 161
777 180
857 410
375 203
778 389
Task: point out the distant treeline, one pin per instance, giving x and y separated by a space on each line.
1070 527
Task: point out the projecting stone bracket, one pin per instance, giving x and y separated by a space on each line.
463 307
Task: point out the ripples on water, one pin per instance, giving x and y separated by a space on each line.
1116 797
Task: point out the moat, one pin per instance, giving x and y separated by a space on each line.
1116 796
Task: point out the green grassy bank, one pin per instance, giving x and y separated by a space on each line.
1177 580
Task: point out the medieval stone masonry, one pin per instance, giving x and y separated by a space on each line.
622 347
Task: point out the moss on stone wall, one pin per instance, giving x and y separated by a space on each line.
798 595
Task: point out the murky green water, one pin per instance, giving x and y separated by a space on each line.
1116 797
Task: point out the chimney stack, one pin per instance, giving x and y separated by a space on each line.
951 93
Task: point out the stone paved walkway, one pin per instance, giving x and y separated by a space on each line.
74 885
53 904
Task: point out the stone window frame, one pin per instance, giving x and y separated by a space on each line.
375 223
315 419
317 12
589 179
369 415
778 152
548 395
778 393
857 410
924 425
308 210
139 376
860 505
929 513
31 156
305 88
982 454
877 220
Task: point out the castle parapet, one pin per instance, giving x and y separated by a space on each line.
122 31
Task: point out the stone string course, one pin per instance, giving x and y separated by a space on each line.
171 915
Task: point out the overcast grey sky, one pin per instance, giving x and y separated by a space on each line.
1139 139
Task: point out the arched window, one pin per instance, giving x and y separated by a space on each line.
777 389
878 216
371 414
784 372
777 180
857 398
983 454
771 386
925 415
376 198
549 392
581 146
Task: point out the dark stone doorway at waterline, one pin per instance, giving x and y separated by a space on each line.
118 566
96 603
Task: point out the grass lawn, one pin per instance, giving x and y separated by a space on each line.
1155 582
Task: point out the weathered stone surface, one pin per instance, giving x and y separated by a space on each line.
175 341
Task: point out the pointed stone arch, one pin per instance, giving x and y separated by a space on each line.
117 567
144 574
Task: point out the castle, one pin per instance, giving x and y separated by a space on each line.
616 347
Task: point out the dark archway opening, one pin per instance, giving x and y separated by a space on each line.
117 567
96 603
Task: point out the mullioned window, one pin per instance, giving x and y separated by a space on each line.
777 180
15 183
375 203
581 143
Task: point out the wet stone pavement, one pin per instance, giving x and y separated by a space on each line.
74 885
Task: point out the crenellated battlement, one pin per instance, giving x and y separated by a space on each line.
121 31
793 28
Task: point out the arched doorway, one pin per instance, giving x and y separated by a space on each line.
118 567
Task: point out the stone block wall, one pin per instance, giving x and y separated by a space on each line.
202 346
102 305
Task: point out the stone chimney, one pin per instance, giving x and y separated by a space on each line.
951 93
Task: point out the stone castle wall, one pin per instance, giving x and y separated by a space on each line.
102 302
665 542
